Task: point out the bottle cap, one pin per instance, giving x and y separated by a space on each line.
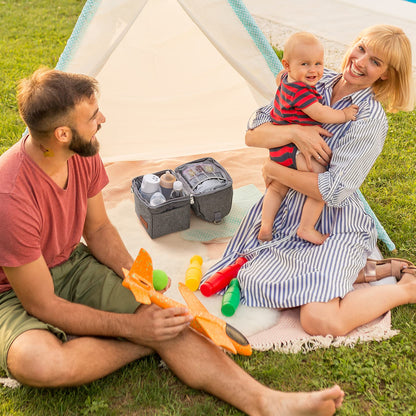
150 183
167 180
177 186
157 198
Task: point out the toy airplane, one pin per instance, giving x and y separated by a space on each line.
140 281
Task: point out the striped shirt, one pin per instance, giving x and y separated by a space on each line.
289 271
290 100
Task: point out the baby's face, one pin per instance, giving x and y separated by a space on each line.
306 64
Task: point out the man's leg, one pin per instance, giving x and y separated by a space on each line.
203 366
195 360
54 363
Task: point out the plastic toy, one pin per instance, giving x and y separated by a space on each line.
222 278
193 274
160 279
139 281
231 298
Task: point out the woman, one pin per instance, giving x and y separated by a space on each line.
287 271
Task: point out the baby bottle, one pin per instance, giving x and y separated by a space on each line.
177 189
150 185
166 183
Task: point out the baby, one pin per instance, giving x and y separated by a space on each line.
297 101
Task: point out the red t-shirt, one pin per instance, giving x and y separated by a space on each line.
37 217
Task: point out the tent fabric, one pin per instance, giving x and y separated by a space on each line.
177 77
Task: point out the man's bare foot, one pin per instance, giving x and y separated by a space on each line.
321 403
265 233
311 235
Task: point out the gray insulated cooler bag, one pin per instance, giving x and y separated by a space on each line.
207 190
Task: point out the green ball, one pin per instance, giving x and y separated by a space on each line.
160 279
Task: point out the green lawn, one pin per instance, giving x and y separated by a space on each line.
378 377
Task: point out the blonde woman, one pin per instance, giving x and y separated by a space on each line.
288 271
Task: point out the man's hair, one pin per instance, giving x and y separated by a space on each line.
47 98
298 38
392 45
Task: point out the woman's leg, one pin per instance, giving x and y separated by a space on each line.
340 316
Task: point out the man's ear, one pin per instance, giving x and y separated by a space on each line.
63 134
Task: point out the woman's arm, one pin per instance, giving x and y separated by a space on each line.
303 182
308 139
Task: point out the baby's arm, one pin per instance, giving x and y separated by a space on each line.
325 114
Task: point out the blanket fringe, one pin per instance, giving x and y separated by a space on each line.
312 343
10 382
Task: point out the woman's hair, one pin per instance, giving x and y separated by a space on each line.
47 98
392 45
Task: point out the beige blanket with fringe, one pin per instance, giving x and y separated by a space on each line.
266 329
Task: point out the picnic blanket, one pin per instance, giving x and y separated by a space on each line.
266 329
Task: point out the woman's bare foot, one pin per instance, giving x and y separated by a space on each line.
321 403
408 281
312 235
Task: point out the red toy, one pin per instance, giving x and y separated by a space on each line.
222 278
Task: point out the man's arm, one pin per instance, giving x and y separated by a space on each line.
103 239
34 287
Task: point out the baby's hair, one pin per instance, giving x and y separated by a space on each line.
298 38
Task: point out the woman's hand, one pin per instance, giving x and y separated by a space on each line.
309 141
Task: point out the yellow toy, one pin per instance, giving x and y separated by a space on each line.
193 274
139 281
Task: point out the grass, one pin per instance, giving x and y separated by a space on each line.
378 377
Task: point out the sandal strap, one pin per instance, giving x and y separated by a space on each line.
409 269
370 271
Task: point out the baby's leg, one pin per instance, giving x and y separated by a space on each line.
312 208
271 204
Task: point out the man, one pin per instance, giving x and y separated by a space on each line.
51 286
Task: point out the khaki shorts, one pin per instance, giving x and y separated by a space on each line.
81 279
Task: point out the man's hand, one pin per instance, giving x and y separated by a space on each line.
155 324
309 141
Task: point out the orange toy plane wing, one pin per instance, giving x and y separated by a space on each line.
216 328
210 325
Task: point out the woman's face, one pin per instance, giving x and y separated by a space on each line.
364 67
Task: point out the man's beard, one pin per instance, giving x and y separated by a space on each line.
82 147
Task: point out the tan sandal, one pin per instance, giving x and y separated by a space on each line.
369 273
409 270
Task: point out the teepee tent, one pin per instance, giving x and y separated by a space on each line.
177 77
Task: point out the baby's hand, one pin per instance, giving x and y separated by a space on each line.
350 112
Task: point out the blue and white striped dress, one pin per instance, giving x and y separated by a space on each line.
288 271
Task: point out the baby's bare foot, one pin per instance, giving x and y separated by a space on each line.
312 235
